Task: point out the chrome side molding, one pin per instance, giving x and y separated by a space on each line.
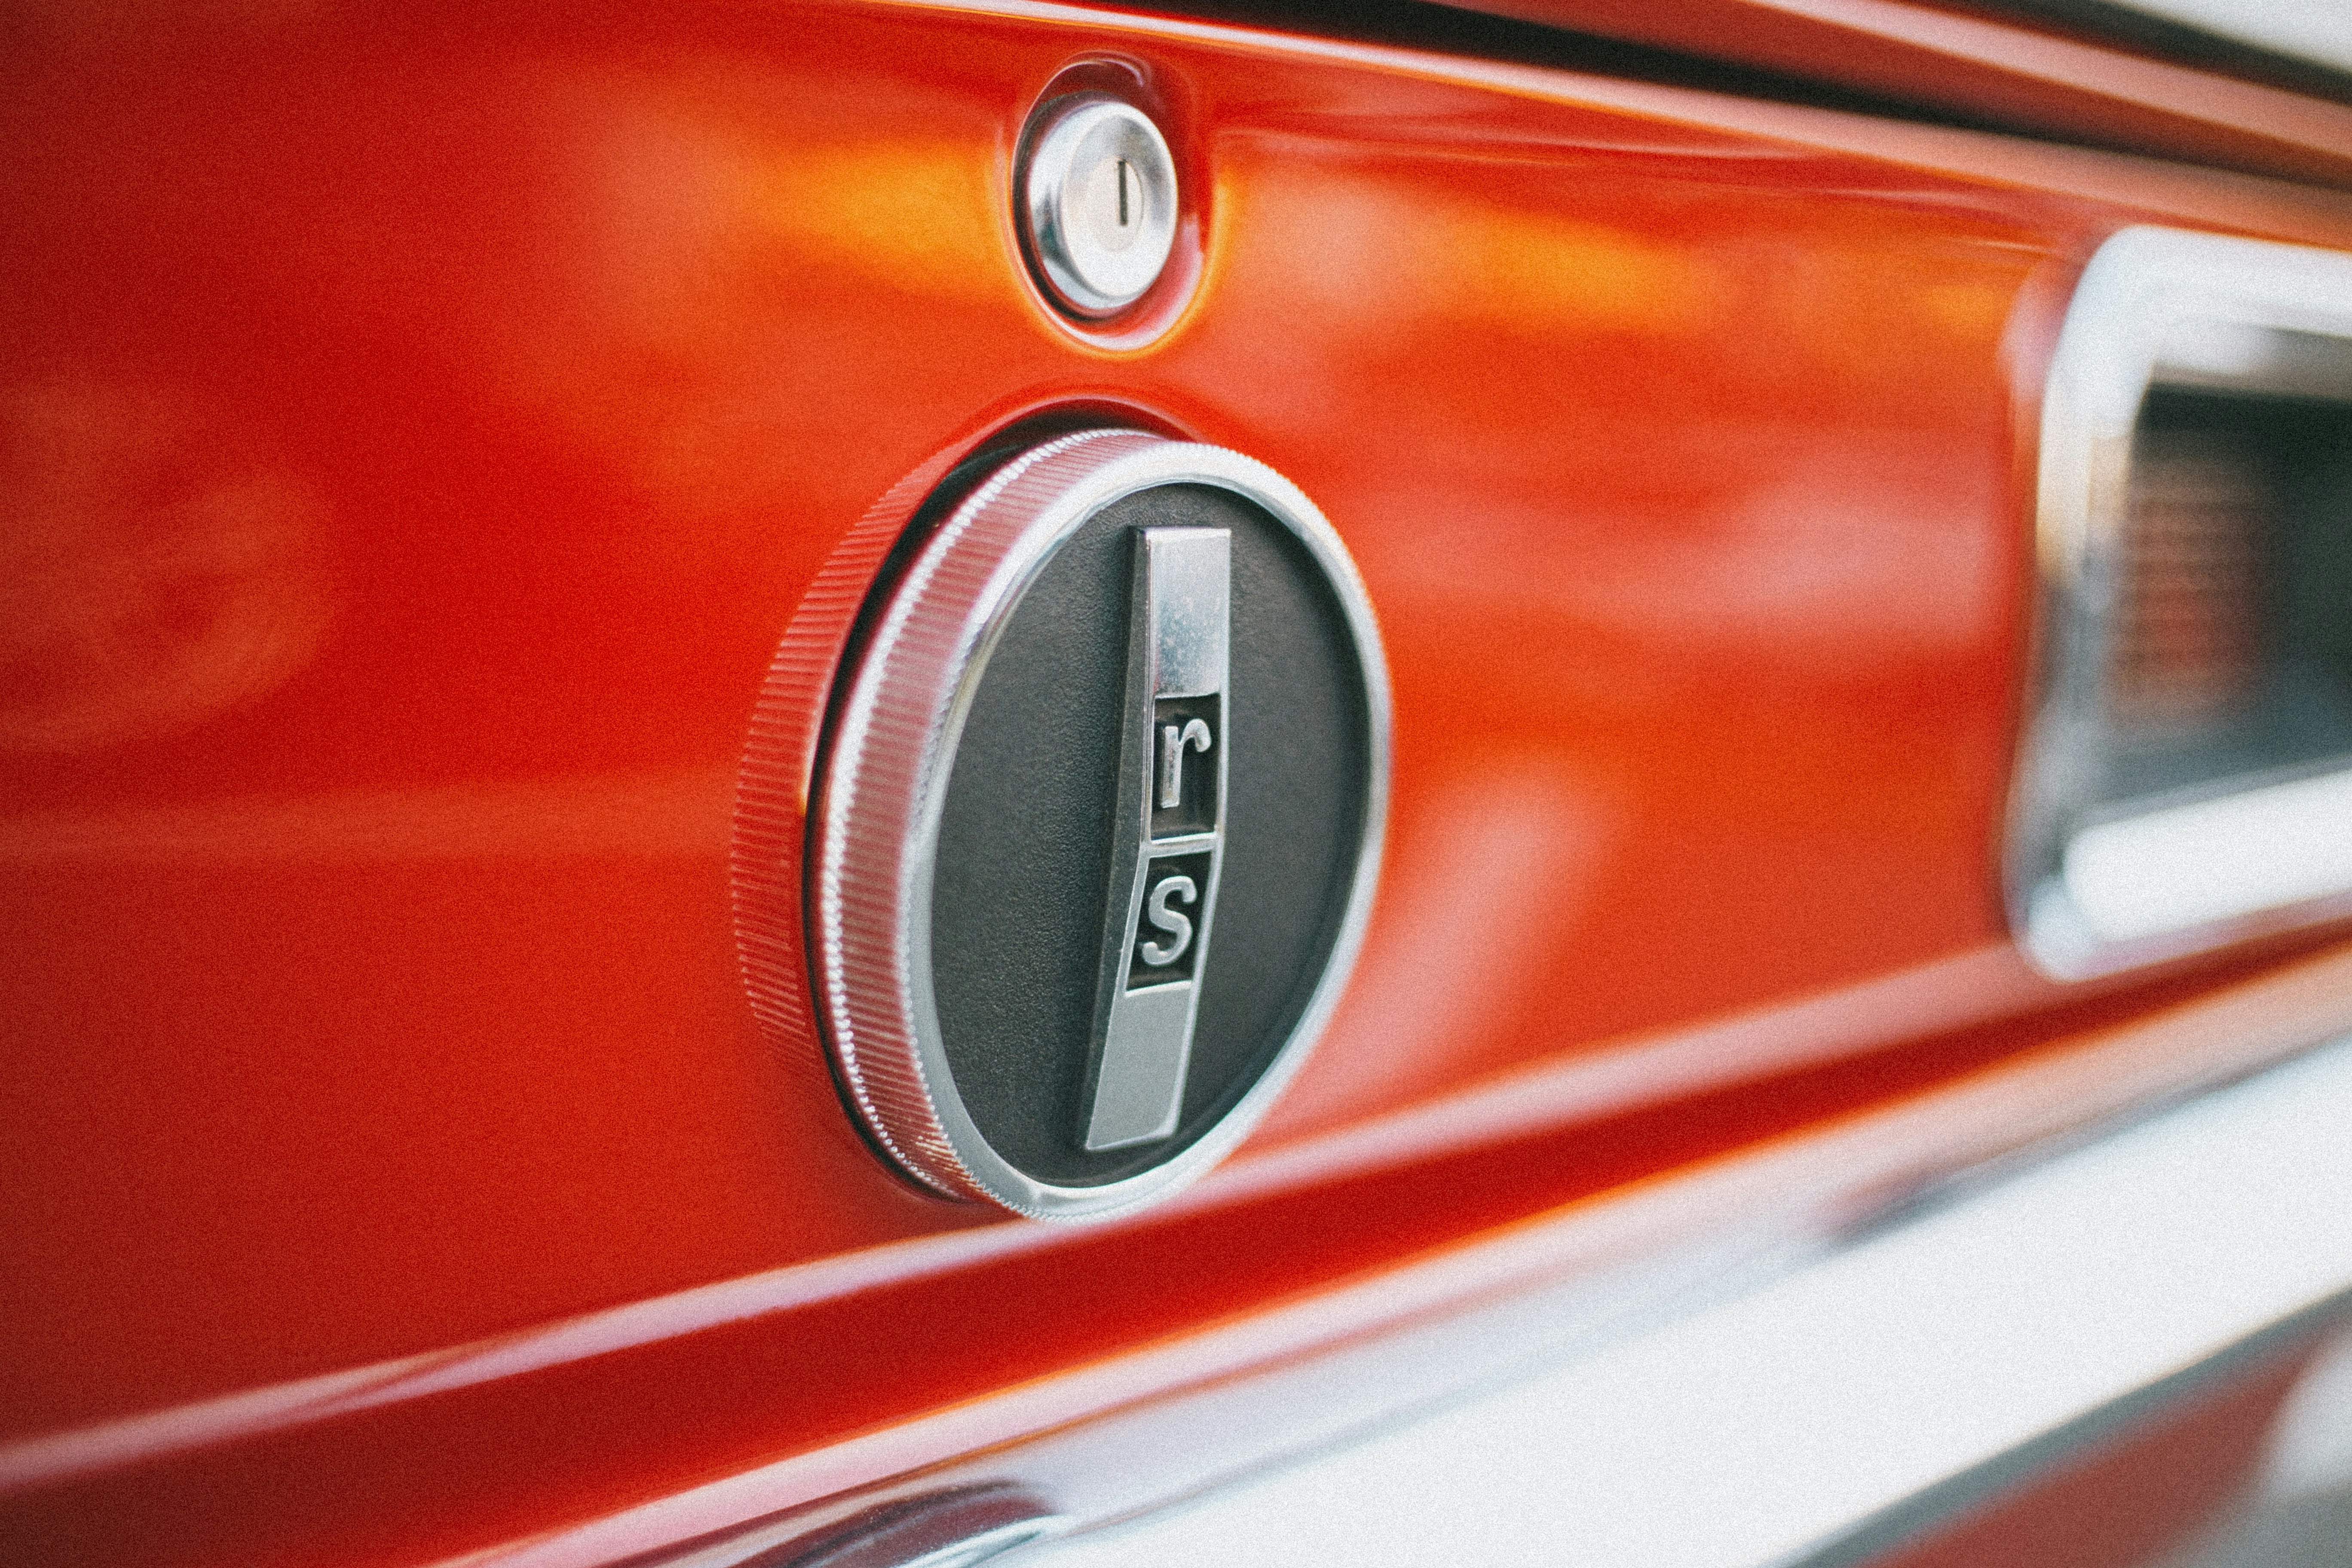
1848 1405
2186 776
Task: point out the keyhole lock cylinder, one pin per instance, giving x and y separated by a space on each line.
1098 204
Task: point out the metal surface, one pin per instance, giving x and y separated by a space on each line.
2095 884
1098 203
2212 862
900 723
1177 705
1771 1427
952 1528
931 1527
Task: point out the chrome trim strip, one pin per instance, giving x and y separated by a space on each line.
2182 309
2210 862
1769 1427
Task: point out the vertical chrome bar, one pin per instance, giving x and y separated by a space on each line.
1170 823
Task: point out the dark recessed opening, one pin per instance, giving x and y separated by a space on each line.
2230 655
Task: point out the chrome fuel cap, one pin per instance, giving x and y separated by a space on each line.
1093 839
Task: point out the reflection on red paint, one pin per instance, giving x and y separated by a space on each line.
155 571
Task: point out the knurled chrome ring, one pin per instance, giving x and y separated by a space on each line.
882 787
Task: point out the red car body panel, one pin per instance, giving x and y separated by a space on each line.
423 433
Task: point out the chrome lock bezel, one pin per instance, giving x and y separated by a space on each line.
1087 152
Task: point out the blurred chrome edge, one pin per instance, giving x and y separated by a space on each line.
2141 285
1865 1331
1857 1402
884 789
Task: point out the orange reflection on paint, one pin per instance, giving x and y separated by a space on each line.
1537 272
922 217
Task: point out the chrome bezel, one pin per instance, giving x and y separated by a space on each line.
883 792
1082 277
2144 289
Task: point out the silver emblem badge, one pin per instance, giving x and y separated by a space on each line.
1172 802
1096 821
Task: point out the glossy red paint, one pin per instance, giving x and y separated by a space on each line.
420 436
